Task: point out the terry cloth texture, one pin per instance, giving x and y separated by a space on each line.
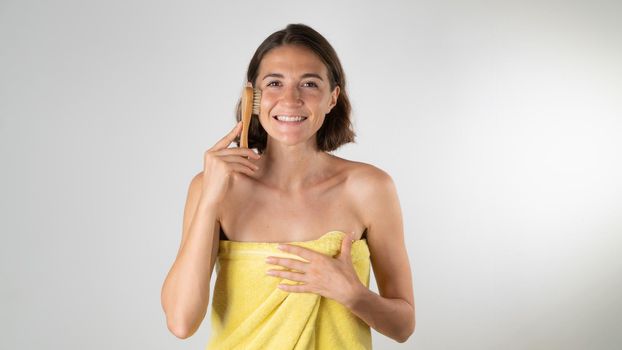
250 312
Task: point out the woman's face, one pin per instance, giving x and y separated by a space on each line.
294 83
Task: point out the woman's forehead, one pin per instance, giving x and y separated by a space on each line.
290 59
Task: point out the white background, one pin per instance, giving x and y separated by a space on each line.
500 123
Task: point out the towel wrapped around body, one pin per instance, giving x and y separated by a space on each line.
250 312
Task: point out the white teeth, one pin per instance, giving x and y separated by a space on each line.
286 118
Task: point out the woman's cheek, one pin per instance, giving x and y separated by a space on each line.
313 95
267 98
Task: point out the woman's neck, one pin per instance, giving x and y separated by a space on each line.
292 168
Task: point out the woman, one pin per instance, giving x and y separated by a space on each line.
242 204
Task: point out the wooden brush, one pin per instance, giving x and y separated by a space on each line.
250 106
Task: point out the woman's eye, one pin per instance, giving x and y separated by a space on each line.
273 83
310 83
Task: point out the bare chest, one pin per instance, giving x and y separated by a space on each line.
256 214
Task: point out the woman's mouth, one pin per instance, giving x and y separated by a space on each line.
290 119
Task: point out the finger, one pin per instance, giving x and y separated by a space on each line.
240 160
230 137
346 246
302 252
239 168
289 263
238 151
289 275
293 288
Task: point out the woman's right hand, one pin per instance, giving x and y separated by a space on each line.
221 163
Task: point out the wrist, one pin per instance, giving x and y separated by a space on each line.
357 296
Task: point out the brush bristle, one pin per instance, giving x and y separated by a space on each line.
256 101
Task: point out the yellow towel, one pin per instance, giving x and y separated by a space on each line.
250 312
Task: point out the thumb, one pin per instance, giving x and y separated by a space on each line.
346 247
230 137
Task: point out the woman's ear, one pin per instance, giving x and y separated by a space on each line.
334 96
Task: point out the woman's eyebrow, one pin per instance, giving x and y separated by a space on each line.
306 75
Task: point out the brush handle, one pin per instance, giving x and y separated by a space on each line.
247 110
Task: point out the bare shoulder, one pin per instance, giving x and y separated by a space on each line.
359 171
196 180
366 180
369 188
194 189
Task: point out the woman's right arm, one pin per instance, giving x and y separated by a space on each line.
185 292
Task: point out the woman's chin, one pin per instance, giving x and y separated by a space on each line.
291 140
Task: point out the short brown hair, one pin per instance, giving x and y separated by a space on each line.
337 127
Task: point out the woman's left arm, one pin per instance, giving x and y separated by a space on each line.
391 313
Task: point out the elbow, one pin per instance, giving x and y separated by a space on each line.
408 330
179 329
178 322
182 324
404 337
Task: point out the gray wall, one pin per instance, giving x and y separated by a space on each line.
500 123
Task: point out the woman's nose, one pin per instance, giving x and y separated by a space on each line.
291 95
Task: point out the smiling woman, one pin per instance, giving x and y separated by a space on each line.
296 95
298 63
335 219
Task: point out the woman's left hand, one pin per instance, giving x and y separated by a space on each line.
330 277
